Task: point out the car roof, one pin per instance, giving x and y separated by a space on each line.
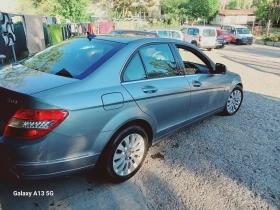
128 39
200 27
162 29
235 26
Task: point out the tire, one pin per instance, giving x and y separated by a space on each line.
121 161
209 49
238 42
194 43
231 106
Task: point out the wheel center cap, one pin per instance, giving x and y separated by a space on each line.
128 154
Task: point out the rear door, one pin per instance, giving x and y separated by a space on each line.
207 89
209 37
157 86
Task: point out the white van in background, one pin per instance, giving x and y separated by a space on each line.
200 36
240 34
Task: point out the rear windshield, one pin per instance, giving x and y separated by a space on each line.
76 58
225 32
209 33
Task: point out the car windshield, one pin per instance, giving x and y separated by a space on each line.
243 31
77 57
225 32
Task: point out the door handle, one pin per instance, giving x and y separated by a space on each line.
149 89
196 83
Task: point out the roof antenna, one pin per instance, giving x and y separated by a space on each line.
90 36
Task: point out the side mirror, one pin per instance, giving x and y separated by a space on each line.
220 68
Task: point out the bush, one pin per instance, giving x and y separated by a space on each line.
272 38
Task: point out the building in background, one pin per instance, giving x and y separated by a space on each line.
235 16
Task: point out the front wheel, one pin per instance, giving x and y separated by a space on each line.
125 155
234 101
238 42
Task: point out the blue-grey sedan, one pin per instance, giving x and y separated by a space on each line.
104 101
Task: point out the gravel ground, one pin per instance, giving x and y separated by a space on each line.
219 163
224 162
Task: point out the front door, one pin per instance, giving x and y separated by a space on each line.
207 89
153 80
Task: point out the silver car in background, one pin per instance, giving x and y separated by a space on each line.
168 33
103 101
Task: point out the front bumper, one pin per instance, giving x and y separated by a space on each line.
50 156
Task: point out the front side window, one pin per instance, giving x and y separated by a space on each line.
134 70
192 63
76 58
159 61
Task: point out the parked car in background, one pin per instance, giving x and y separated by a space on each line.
104 101
200 36
168 33
240 34
220 43
134 32
225 34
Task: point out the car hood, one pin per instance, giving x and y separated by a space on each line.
246 35
27 81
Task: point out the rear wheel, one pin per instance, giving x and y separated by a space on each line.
209 49
125 155
194 43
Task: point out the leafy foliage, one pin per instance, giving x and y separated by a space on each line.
75 10
191 9
122 8
268 10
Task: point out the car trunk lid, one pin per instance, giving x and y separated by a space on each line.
17 83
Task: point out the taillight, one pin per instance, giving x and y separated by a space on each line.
32 124
200 38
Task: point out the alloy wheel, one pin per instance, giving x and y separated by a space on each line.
234 101
129 154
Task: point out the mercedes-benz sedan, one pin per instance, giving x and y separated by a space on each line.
105 101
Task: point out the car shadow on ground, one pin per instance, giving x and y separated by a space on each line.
237 156
82 190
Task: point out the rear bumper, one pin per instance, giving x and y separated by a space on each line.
50 156
24 170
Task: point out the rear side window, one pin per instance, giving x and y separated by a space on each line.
77 57
164 34
209 33
175 34
134 70
159 61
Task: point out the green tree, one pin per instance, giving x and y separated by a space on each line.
121 8
268 10
191 9
75 10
